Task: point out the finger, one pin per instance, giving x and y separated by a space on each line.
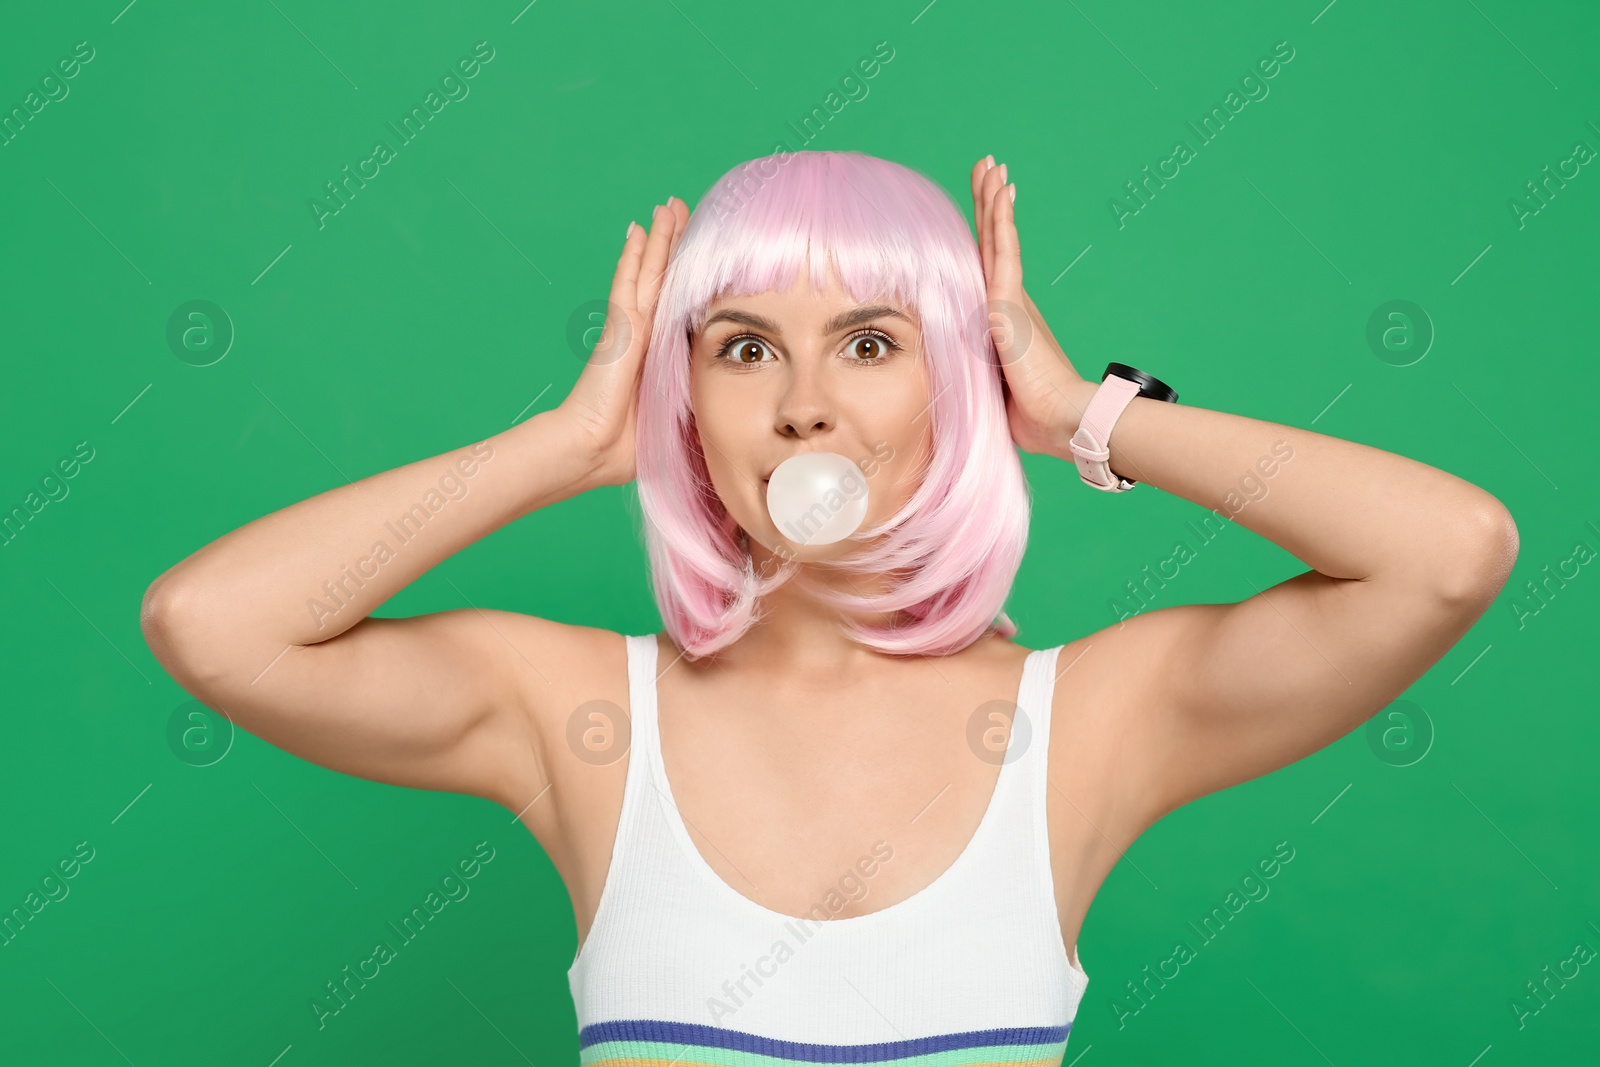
1006 295
1006 279
622 308
992 180
980 204
657 245
625 281
979 169
680 211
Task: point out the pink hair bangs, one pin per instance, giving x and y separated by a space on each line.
888 233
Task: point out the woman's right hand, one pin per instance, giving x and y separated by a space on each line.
604 402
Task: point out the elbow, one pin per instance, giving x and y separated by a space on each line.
155 610
167 621
159 623
1473 575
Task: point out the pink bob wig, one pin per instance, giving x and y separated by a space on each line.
888 233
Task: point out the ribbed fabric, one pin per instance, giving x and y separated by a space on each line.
681 968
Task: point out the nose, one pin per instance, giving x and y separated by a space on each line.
806 407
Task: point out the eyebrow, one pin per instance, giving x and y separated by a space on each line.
842 321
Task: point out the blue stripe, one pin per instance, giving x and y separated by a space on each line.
738 1040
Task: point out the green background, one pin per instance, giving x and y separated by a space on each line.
434 309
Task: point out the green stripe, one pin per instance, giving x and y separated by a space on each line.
723 1057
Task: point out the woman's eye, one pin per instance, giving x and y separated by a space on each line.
867 348
745 350
871 347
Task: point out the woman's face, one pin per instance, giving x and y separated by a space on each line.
804 370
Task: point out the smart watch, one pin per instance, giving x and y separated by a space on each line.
1091 448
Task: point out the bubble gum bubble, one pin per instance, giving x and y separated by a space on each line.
817 498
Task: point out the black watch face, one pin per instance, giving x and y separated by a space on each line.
1149 384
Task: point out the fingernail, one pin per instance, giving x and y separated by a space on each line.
1013 191
629 233
989 159
1002 172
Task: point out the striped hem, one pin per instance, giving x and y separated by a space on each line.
656 1043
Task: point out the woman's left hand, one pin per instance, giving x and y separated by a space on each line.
1045 393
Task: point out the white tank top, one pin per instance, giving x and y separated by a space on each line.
681 968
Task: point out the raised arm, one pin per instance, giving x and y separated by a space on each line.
1404 558
271 625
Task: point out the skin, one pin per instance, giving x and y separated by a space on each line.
845 746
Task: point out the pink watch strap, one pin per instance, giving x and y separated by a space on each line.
1091 443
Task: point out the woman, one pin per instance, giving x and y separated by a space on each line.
864 817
